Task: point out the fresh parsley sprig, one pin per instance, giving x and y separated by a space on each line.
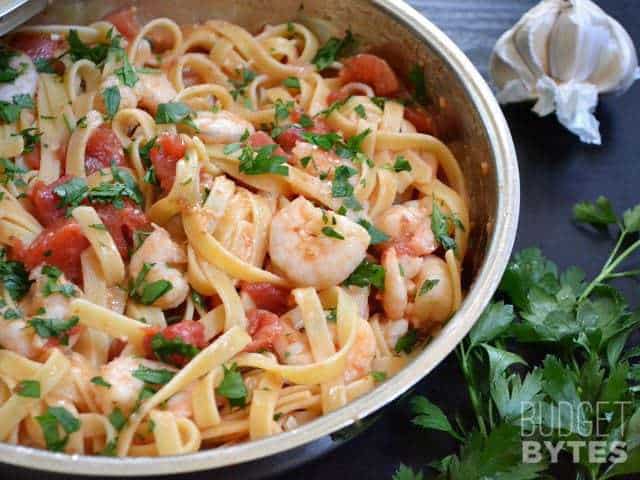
579 329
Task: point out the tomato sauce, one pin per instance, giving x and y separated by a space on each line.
165 154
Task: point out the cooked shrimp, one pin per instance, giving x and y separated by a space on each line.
25 83
54 305
392 331
394 297
291 345
125 388
160 251
222 127
306 255
409 226
361 355
435 305
15 335
154 89
320 161
181 404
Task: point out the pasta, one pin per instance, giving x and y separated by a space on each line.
210 235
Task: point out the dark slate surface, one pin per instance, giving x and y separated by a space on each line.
556 171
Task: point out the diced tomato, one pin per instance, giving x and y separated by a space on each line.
103 150
32 158
421 119
45 201
36 45
164 155
122 223
125 21
264 327
188 331
372 70
267 296
60 245
262 139
116 348
288 138
337 96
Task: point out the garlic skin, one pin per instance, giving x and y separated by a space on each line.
564 53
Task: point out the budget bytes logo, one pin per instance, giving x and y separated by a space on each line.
545 436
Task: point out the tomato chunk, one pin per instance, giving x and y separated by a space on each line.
125 21
103 150
188 331
421 119
267 296
32 158
164 155
122 223
60 245
46 202
264 327
288 138
36 45
372 70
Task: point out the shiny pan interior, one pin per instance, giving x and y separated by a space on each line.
482 143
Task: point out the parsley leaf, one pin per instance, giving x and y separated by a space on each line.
407 342
292 82
401 164
44 65
165 348
427 286
31 137
101 382
28 388
96 54
126 73
366 274
111 97
232 386
340 187
599 214
54 327
332 233
14 277
117 419
405 473
263 160
71 193
51 420
175 112
334 49
377 236
9 112
153 376
430 416
441 226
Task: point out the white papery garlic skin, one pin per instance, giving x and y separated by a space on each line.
563 53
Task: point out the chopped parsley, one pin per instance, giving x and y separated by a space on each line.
153 376
340 187
428 285
31 137
96 54
263 160
126 73
232 386
9 112
166 348
7 72
292 82
360 111
246 77
111 97
28 388
334 49
401 164
332 315
332 233
407 342
51 420
101 382
366 274
441 225
378 377
117 419
175 112
145 151
148 292
377 236
282 110
44 65
54 327
14 277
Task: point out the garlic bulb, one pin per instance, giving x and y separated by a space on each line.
563 53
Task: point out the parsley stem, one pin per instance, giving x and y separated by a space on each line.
475 403
612 263
628 273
